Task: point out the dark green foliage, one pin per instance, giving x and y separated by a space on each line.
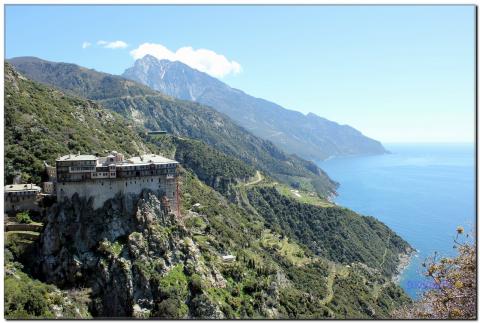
298 305
23 217
332 232
210 164
26 298
173 290
170 308
232 230
375 297
196 284
182 118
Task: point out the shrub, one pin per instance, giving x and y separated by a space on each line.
196 284
171 308
23 217
26 298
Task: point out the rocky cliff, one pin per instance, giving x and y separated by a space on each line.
125 253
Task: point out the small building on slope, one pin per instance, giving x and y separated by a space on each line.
21 197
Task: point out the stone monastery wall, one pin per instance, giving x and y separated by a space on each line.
104 189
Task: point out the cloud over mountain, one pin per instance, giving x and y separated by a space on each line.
201 59
113 44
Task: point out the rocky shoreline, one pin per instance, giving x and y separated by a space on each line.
404 261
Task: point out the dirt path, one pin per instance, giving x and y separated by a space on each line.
385 253
330 280
258 179
376 287
334 273
133 97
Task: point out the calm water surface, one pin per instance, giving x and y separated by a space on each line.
421 191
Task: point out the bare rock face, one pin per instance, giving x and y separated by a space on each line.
119 251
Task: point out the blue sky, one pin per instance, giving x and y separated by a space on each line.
396 73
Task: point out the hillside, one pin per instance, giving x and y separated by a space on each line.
41 124
308 136
335 233
180 118
144 263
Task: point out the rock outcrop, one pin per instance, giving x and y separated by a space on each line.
122 252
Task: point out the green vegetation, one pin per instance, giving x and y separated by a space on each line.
308 197
42 124
27 298
114 249
291 251
174 292
344 235
23 217
214 168
264 255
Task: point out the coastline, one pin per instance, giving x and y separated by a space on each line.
405 260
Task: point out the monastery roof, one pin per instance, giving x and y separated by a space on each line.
22 188
73 157
151 158
137 160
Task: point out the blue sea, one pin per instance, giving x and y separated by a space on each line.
421 191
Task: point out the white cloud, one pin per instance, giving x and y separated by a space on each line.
86 44
113 44
204 60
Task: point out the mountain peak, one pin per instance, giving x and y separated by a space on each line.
151 60
309 136
147 59
172 77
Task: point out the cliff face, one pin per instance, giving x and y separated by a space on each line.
122 251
